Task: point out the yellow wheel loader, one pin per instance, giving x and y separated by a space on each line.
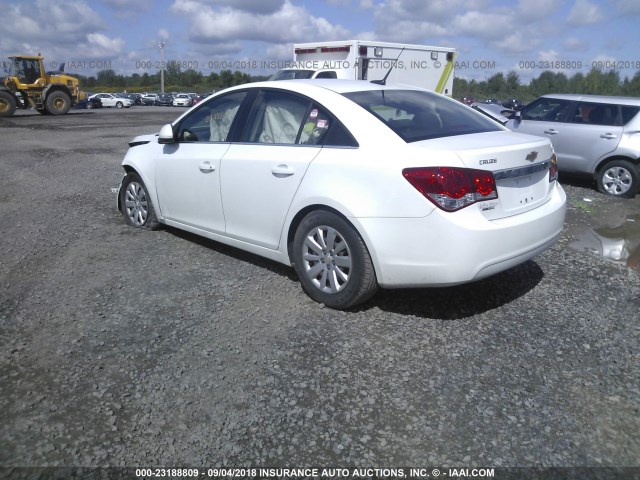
28 85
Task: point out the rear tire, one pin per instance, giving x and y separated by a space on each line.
8 104
332 261
619 178
57 103
136 205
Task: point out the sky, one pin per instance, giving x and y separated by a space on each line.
490 36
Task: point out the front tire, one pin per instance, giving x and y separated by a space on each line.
57 103
332 261
619 178
136 205
119 105
8 104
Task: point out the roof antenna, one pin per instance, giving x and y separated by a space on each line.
384 80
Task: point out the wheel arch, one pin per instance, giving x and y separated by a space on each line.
152 193
603 162
298 217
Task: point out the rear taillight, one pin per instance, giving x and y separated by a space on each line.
553 168
451 188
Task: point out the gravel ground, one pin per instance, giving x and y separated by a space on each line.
132 348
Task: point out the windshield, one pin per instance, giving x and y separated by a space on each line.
27 70
292 74
416 115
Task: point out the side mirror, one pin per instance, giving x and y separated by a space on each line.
166 134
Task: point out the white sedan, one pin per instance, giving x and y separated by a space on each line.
109 100
355 185
182 100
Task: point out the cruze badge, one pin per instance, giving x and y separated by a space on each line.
532 156
489 161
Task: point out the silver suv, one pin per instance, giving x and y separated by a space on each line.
591 134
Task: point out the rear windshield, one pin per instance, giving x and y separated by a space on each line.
416 115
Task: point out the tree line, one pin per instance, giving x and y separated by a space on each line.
499 86
595 82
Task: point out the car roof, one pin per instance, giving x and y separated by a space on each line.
595 98
335 85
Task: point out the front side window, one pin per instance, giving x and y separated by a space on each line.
212 121
547 110
416 115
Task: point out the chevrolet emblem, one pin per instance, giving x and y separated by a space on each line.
532 156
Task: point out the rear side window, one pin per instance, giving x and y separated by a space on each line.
416 115
597 114
628 113
547 110
285 118
604 114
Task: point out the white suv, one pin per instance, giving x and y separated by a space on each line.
596 135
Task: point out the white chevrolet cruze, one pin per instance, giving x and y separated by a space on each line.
356 185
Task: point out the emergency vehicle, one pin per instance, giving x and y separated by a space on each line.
395 63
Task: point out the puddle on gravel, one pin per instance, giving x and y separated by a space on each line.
618 243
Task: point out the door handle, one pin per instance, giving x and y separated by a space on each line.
608 136
206 167
551 131
282 171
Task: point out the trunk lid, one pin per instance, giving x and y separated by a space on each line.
520 165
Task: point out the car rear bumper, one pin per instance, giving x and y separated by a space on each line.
452 248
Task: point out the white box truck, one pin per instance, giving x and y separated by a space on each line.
417 65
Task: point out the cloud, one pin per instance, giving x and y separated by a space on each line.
628 7
129 5
288 24
483 25
585 13
575 44
516 42
262 7
29 27
531 10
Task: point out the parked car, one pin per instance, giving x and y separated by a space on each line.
165 100
592 135
512 104
88 104
136 98
110 100
494 111
149 99
355 184
182 100
200 97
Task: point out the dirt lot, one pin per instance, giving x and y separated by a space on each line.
132 348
